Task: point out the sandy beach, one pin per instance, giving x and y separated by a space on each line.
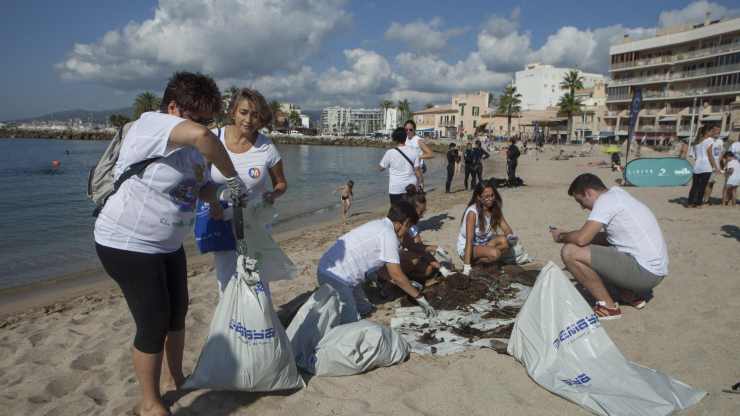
72 356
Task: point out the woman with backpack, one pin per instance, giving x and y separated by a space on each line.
403 164
140 230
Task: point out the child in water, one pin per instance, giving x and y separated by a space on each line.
345 196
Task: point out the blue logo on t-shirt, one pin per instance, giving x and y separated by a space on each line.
254 173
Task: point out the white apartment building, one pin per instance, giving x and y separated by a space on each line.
539 85
305 121
390 120
688 76
354 121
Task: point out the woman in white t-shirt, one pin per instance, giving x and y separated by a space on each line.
732 174
418 144
482 218
402 163
255 157
704 165
140 229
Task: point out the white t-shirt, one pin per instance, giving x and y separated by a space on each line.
718 148
252 166
400 172
365 248
155 212
702 164
735 148
414 144
481 238
632 229
734 178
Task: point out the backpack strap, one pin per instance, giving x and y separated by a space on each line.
135 169
406 157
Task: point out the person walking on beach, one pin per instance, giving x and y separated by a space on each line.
140 230
512 158
478 155
468 158
345 265
704 165
732 175
403 164
476 240
718 150
630 256
255 157
417 143
345 197
453 157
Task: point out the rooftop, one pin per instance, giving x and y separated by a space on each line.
676 35
437 110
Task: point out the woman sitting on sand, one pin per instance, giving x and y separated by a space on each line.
476 241
254 157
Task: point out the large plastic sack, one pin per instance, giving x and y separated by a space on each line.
565 349
247 348
272 263
358 347
314 319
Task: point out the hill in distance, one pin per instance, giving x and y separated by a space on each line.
99 116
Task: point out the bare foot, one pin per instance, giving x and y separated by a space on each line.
153 409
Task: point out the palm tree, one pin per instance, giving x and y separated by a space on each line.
275 108
570 105
428 105
405 109
571 82
146 101
509 103
386 104
294 118
118 120
223 118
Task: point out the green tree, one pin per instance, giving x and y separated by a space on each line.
428 105
146 101
386 104
571 82
509 103
118 120
294 118
570 105
223 118
404 108
275 108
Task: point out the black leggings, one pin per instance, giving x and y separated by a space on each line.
156 290
450 175
698 184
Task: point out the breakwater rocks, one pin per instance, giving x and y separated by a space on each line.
15 133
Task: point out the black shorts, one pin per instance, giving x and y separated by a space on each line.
155 287
395 198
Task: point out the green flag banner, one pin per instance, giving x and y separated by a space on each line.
665 171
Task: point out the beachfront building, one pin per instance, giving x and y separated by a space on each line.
439 121
305 121
351 121
390 120
470 109
587 124
688 75
540 88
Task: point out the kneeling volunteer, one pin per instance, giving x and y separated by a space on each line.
630 256
366 248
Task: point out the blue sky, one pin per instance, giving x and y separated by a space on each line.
99 54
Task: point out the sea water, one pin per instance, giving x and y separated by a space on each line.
45 216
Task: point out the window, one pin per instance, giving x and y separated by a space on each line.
474 123
476 112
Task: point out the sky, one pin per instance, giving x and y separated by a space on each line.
99 54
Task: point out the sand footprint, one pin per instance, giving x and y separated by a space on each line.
97 395
88 360
62 385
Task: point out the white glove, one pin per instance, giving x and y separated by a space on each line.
512 239
246 268
429 311
467 269
236 187
442 255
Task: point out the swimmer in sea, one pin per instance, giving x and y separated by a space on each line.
345 196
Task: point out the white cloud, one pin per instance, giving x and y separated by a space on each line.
369 73
421 35
695 13
429 73
226 38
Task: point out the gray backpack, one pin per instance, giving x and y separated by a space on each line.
100 182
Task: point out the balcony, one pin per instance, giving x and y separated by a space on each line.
678 57
686 93
656 129
676 76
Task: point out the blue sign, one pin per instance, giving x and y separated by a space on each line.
634 110
664 171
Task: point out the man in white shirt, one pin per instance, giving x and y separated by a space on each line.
367 248
630 255
403 166
718 149
735 148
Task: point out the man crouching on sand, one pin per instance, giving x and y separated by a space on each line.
631 256
366 248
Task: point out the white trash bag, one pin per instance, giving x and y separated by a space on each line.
358 347
247 348
314 319
272 263
561 342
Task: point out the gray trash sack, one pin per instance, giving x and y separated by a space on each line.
560 341
358 347
314 319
